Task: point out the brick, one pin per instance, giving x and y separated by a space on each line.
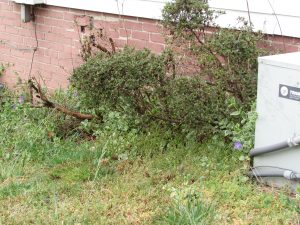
67 33
49 13
106 25
51 45
77 11
280 46
76 44
6 6
132 25
40 51
112 34
57 8
125 33
140 35
26 33
44 67
290 48
29 26
16 53
10 15
157 48
296 41
67 64
30 42
54 61
69 16
147 20
39 19
43 28
152 27
57 38
51 53
139 44
59 23
11 22
157 38
120 43
72 34
2 27
11 38
16 7
11 30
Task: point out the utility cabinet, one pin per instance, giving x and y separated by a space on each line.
278 108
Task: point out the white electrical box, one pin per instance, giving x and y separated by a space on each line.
278 108
30 2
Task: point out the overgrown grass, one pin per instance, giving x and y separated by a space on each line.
124 177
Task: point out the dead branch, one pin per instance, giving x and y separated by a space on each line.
102 48
35 85
112 43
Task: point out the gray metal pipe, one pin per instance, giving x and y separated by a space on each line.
275 147
288 174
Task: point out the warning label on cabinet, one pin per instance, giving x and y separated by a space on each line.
289 92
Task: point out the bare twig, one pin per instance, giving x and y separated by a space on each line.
274 13
35 85
112 43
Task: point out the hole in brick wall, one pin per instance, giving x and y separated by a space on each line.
100 32
82 29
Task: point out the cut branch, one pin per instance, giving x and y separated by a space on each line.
49 104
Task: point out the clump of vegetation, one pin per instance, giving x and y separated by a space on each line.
227 57
189 207
146 87
141 85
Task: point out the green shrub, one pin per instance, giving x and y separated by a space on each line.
142 88
193 106
124 81
138 85
227 56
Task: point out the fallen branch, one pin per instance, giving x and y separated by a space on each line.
49 104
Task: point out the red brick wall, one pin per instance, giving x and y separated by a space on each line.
58 40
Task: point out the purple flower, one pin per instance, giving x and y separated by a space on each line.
21 99
75 94
237 145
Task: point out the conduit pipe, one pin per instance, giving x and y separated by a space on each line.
288 174
291 142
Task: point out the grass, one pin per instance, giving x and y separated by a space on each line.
126 178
